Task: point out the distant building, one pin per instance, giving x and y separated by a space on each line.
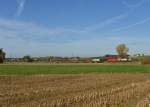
116 58
97 59
138 55
111 58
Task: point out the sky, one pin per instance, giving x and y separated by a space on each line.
73 27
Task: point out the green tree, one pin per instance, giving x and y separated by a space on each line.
2 56
27 58
122 50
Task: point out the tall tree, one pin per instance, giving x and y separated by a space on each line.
122 50
2 56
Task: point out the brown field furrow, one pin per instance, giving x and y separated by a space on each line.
83 90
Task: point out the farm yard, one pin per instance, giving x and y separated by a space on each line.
74 85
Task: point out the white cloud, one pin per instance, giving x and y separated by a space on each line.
141 2
20 38
132 25
107 22
21 5
12 34
116 18
33 32
28 29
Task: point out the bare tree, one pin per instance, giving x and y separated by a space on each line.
122 50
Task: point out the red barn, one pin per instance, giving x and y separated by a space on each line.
111 58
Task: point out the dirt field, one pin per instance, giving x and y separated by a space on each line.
81 90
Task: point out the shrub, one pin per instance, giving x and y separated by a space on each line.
27 59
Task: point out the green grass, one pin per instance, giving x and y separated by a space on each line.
70 69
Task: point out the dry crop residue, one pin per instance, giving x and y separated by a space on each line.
83 90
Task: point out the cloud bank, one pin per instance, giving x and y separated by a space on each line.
35 39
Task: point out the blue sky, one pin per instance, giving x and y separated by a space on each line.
73 27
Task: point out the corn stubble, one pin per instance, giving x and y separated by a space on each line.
84 90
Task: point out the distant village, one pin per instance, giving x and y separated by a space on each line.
121 57
55 59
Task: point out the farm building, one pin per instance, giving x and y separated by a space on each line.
97 59
111 58
116 58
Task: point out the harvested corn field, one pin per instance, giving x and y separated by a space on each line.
81 90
